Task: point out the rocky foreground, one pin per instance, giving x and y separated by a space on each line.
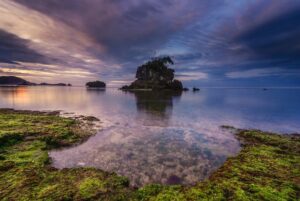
267 168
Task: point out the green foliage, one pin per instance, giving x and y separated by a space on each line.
159 62
158 65
267 168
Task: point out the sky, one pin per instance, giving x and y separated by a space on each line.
213 43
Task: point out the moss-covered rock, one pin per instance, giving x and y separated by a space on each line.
25 173
267 168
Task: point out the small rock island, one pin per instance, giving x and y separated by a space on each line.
95 84
155 75
195 89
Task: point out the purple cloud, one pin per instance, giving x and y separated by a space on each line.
109 38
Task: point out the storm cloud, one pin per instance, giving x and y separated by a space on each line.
277 38
212 42
14 49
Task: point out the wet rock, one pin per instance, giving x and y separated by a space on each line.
174 180
196 89
125 87
90 118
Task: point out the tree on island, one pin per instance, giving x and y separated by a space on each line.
155 75
95 84
156 69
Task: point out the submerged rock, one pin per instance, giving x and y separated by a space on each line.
96 84
155 75
90 118
174 180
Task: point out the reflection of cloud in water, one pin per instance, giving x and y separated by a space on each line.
151 152
148 155
161 138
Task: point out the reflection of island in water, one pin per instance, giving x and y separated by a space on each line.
96 90
155 107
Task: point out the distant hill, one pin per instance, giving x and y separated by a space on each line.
12 80
16 81
58 84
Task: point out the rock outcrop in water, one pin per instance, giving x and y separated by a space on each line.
96 84
155 75
195 89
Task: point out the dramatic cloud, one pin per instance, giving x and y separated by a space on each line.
277 38
211 41
15 49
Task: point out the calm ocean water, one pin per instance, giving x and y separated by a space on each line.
161 137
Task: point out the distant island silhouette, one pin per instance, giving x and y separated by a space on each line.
16 81
12 80
95 84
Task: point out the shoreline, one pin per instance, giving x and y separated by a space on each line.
190 87
239 177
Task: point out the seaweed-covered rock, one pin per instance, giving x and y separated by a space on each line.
155 75
96 84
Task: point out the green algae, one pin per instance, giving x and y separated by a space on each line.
267 168
25 173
